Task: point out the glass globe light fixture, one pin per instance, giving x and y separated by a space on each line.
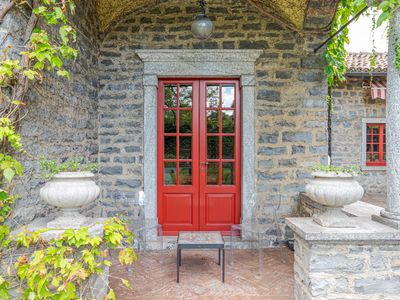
202 26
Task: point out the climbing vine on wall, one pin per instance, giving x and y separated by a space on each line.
336 53
39 269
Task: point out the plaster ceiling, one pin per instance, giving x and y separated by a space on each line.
293 13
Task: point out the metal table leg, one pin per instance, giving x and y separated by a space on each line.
219 256
223 264
177 264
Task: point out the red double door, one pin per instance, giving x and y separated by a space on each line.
198 155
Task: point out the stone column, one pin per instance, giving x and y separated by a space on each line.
248 139
393 126
150 85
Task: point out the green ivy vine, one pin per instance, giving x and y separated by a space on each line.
336 53
60 268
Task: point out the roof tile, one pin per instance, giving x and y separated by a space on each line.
360 62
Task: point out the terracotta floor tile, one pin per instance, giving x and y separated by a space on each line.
200 276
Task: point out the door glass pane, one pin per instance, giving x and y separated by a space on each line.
185 147
169 173
213 173
213 147
228 95
170 93
185 96
228 169
228 147
212 96
169 147
169 121
212 121
185 173
185 121
228 121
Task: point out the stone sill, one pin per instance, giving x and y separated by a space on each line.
366 230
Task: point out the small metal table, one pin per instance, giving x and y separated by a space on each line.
200 240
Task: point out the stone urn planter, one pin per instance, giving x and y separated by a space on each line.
69 191
334 190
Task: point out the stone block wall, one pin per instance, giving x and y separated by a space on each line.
353 270
61 116
290 103
351 104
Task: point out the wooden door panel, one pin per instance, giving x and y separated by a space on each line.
178 209
219 209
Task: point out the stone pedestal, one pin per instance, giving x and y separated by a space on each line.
346 263
95 227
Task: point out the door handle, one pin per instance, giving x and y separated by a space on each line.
204 163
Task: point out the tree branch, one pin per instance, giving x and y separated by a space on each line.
5 10
22 84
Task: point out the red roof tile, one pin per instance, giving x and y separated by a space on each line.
360 62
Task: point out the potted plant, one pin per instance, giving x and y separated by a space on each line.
334 187
69 186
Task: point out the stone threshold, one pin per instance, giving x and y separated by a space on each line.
169 243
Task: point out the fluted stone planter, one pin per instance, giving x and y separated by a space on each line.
334 191
69 191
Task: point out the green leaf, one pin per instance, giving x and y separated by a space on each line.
63 73
111 295
3 195
9 174
64 34
382 18
126 283
56 62
30 74
107 263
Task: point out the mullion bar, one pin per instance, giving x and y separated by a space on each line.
220 135
177 135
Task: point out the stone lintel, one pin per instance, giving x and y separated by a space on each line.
365 230
198 63
194 55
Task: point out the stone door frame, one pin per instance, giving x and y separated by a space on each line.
198 63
